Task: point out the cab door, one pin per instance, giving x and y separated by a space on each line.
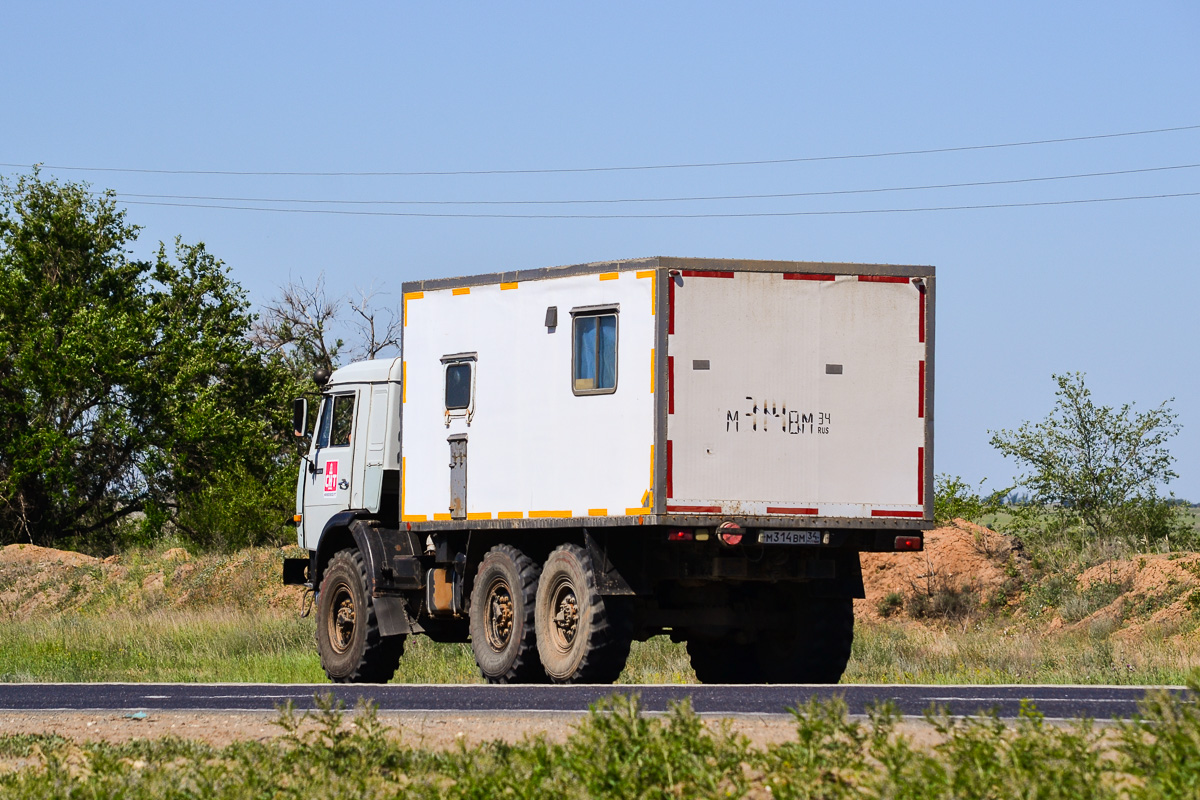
331 462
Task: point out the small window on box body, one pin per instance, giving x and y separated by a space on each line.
337 421
594 354
458 386
459 396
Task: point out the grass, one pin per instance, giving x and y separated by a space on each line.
217 646
237 646
195 646
992 652
616 751
156 616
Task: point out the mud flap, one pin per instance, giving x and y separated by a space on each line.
391 615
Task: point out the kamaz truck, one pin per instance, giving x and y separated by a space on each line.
564 461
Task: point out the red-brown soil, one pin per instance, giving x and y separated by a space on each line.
960 557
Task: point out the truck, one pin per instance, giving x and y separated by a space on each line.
563 461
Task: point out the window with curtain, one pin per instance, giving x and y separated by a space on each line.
595 354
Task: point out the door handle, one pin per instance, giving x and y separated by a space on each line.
343 484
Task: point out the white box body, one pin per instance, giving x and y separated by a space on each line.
778 394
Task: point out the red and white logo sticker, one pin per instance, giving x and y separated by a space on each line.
331 478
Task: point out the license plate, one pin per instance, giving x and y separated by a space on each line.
789 537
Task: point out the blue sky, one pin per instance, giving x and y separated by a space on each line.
1109 289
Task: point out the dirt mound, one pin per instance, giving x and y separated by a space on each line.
961 559
32 554
1149 590
40 582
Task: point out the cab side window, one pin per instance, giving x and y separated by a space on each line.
337 421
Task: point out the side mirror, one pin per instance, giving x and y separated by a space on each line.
300 417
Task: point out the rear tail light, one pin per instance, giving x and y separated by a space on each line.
680 536
908 543
730 533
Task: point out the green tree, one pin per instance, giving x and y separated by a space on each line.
953 498
1096 465
128 388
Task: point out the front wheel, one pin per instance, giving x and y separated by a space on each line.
582 636
348 639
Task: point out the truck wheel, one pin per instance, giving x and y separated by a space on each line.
502 629
348 640
816 649
724 661
582 636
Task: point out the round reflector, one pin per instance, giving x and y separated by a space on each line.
730 533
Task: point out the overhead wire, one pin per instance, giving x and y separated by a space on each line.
713 215
773 196
562 170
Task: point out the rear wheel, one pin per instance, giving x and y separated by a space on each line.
808 642
582 636
720 661
348 639
816 646
502 617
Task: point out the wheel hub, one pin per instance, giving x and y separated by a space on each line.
499 622
341 622
566 615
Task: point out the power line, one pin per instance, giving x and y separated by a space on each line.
543 171
667 216
655 199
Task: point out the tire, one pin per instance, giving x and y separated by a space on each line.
501 617
720 661
348 640
582 637
816 649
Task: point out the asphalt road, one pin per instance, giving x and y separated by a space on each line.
1097 702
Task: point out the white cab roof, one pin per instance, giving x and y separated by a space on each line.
376 371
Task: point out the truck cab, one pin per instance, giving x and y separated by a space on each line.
354 455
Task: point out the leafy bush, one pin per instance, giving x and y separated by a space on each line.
890 604
1097 468
954 498
235 509
130 385
618 752
1160 748
944 603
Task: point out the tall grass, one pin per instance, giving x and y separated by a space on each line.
618 752
217 646
238 646
168 646
992 652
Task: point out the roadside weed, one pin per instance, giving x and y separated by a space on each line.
618 750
